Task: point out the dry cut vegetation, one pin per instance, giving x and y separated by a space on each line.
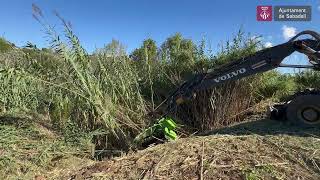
260 149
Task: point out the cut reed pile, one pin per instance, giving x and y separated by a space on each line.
260 149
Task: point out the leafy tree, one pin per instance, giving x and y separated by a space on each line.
179 54
148 51
114 49
178 50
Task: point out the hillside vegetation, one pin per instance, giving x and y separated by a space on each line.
61 101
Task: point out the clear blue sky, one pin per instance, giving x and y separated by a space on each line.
96 22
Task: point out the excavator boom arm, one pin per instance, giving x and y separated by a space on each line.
262 61
259 62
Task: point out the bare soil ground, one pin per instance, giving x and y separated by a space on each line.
262 149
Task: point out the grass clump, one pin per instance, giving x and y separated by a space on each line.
28 148
100 93
276 86
5 45
308 79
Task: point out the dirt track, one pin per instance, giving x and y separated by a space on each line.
261 149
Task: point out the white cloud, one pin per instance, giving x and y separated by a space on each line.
319 7
268 44
288 32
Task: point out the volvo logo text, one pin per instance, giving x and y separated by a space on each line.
230 75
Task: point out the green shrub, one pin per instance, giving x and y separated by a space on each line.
308 79
5 46
275 85
18 91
